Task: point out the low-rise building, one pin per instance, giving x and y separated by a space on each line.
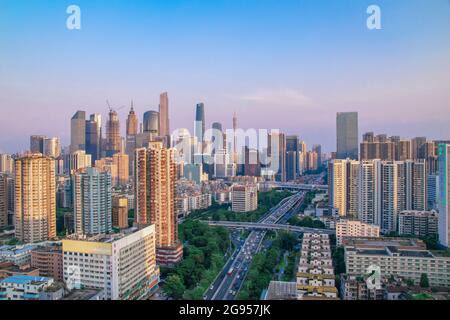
122 265
355 228
19 255
48 259
23 287
404 257
418 223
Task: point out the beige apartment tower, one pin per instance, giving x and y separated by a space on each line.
155 199
35 199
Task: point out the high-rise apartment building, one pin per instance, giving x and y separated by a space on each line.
6 163
78 131
120 212
76 161
244 198
155 199
347 135
444 194
4 200
418 223
35 198
92 201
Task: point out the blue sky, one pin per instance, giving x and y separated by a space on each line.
285 64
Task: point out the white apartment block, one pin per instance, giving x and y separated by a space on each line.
244 198
355 228
123 265
315 274
407 258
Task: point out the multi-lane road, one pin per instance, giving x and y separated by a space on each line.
231 278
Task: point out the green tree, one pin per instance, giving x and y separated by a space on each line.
424 283
174 286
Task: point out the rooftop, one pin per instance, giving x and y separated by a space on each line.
24 279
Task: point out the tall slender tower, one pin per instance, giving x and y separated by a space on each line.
35 198
78 131
200 121
4 199
113 141
132 122
444 194
92 202
235 153
347 135
155 199
164 114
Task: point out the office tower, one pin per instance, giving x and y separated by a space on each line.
92 202
252 166
221 163
35 198
37 144
347 135
444 194
76 161
52 147
4 200
120 212
294 145
78 131
94 137
6 164
244 198
151 122
132 122
343 184
276 150
291 165
113 141
132 131
369 187
317 148
199 129
122 265
164 115
432 192
155 199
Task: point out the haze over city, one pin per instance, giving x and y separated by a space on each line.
279 64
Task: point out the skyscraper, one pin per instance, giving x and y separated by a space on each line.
199 129
37 144
78 131
6 163
292 145
277 152
347 135
151 122
164 115
35 198
92 140
155 199
444 194
92 202
113 141
132 122
52 147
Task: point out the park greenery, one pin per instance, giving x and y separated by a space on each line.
267 263
204 257
266 200
307 222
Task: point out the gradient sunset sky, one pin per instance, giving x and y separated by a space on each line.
284 64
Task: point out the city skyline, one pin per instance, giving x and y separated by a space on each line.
398 70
